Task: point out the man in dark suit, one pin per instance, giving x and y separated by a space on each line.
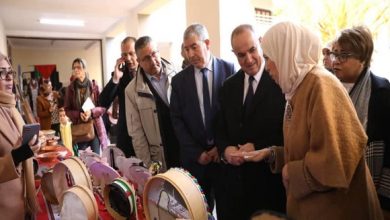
124 72
193 109
251 118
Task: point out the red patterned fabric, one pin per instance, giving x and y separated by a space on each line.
45 70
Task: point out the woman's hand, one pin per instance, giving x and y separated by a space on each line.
35 144
85 116
258 155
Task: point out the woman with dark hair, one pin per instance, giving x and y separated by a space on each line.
17 189
370 94
79 90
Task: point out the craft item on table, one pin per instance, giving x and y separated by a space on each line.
102 174
133 170
47 187
88 156
174 194
48 157
155 168
121 200
66 131
68 173
112 153
48 148
48 133
79 203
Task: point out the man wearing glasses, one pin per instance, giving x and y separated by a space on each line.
147 107
125 68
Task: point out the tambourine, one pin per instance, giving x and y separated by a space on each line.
132 169
79 203
68 173
174 194
89 157
47 187
120 199
111 152
102 174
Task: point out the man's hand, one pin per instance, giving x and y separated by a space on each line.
231 156
204 158
213 153
285 177
248 147
117 72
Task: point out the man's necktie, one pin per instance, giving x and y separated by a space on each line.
206 105
249 95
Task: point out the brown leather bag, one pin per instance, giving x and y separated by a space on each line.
83 132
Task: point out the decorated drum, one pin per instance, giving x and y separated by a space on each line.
79 203
174 194
47 187
68 173
120 199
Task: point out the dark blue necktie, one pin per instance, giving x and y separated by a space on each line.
206 105
249 95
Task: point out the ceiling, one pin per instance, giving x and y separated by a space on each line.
36 43
20 18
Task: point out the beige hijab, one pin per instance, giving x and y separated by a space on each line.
295 50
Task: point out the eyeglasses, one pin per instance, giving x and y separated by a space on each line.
342 57
149 57
4 74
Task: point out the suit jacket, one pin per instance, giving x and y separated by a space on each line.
107 96
186 113
262 126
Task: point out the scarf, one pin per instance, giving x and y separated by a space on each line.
295 50
82 90
360 95
11 128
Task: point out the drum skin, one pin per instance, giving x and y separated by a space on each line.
70 172
71 208
185 185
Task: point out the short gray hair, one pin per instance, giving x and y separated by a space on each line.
241 28
197 29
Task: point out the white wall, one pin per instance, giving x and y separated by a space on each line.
63 58
3 39
165 24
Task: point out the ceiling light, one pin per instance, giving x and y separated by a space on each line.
67 22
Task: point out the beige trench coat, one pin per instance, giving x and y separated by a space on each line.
142 118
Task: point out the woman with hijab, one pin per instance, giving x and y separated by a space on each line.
370 94
79 90
17 189
322 163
